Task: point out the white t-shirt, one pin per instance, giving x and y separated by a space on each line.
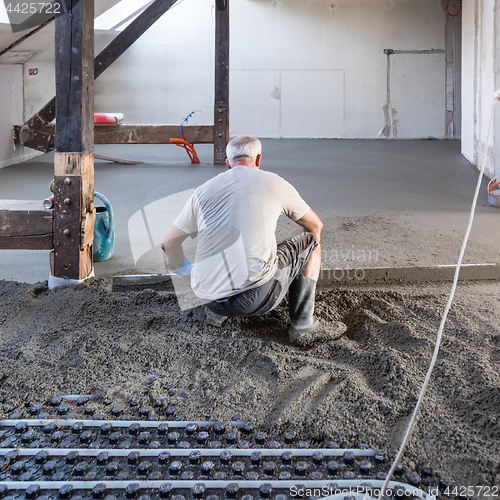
235 215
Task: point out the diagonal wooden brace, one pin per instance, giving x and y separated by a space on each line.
101 63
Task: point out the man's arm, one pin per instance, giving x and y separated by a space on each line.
311 223
172 246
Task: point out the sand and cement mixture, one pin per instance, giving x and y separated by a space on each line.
362 388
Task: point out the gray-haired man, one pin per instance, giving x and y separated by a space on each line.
239 269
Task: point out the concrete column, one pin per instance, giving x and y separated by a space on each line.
480 79
496 76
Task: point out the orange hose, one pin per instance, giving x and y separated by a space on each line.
182 143
493 185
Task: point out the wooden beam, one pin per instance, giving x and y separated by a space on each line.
106 57
112 159
221 4
153 134
43 139
42 242
221 107
25 225
130 34
74 141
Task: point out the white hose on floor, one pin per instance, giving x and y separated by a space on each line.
446 311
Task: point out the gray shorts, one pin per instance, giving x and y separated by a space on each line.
293 255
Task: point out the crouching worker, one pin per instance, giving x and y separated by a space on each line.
239 270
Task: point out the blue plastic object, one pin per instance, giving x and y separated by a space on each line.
185 268
104 231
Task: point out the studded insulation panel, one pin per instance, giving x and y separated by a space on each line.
68 458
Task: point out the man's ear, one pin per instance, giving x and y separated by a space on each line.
257 160
228 164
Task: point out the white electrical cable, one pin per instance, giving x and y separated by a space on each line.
446 311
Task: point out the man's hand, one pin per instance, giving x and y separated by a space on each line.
172 246
311 223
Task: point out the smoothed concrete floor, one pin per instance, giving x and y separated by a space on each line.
384 203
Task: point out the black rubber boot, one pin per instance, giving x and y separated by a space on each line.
305 329
301 296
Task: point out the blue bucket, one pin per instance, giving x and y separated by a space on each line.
104 231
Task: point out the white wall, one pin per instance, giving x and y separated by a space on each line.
481 77
305 69
19 101
164 76
468 77
11 111
167 73
38 88
6 83
495 168
299 68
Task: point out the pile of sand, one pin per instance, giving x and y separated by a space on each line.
362 388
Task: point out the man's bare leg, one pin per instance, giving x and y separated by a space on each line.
313 265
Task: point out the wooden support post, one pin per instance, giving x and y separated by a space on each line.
74 141
221 114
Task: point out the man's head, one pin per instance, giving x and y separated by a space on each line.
244 150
